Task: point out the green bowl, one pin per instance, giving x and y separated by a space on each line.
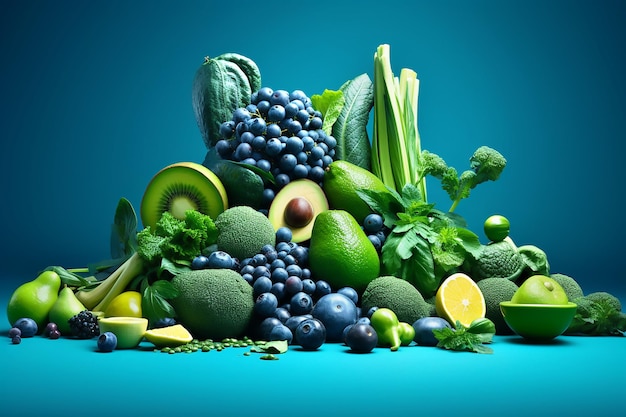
129 331
540 322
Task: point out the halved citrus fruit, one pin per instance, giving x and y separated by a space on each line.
459 298
170 336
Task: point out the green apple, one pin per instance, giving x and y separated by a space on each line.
540 289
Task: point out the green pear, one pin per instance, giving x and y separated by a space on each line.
66 307
34 299
341 253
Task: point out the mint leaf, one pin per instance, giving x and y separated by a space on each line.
459 339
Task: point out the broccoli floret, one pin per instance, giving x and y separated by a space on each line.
497 260
398 295
243 231
606 298
213 303
486 164
570 286
431 164
496 290
598 314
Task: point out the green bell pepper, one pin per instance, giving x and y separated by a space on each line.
391 332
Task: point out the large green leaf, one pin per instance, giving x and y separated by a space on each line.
350 129
243 186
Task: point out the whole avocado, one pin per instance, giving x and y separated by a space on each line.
496 290
243 231
213 303
398 295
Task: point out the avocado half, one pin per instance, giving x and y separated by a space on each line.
296 206
180 187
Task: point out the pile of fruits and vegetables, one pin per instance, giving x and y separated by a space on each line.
298 228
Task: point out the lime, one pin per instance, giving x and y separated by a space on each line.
540 289
126 304
459 299
496 228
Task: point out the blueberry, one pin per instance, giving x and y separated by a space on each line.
27 326
335 311
265 305
16 340
15 331
294 270
281 332
293 322
370 312
261 271
107 342
266 326
283 245
376 242
321 289
293 284
301 303
261 285
164 322
279 274
54 334
350 293
308 286
310 334
220 260
200 262
361 338
424 327
259 259
283 234
278 289
373 223
301 253
280 97
282 314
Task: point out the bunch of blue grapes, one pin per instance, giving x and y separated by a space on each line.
280 133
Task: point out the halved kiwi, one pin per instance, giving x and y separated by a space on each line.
180 187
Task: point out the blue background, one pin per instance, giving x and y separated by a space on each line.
96 97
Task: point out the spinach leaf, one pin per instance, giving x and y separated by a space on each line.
124 230
350 129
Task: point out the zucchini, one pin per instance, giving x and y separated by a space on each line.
219 88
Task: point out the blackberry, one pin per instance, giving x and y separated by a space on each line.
84 325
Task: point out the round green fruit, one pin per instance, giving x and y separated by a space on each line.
496 228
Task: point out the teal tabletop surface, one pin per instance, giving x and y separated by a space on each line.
570 376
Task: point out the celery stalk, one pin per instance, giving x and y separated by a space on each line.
396 143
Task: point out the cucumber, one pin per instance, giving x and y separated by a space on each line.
248 66
219 88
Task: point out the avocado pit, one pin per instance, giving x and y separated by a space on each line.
298 212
